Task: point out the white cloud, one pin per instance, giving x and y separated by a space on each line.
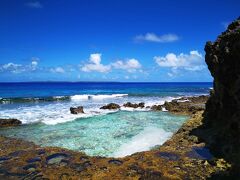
130 65
34 4
193 61
95 58
57 70
19 68
95 64
151 37
12 67
34 63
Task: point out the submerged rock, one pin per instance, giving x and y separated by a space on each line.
9 122
76 110
134 105
110 106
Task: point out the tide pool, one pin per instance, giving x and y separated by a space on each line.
115 134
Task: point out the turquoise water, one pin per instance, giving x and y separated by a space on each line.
43 108
116 134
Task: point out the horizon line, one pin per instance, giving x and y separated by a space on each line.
106 82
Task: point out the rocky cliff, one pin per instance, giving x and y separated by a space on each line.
222 114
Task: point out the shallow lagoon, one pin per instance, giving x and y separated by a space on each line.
116 134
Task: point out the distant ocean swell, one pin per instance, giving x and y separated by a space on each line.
83 97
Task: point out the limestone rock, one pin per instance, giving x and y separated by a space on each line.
222 115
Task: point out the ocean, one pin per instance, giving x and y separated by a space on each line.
43 107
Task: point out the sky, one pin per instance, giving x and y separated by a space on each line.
108 40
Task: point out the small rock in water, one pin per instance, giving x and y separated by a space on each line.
9 122
76 110
110 106
135 105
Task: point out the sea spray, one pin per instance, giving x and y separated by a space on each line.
144 141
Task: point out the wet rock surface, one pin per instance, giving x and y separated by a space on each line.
110 106
76 110
20 159
134 105
202 148
9 122
187 105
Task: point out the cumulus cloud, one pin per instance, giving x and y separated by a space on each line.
57 70
34 63
19 68
12 67
130 65
193 61
151 37
95 64
34 4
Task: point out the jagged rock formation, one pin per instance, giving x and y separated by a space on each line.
222 114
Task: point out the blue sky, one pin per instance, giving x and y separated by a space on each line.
103 40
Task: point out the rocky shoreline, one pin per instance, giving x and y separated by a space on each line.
181 157
207 146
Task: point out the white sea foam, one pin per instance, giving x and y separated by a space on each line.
164 109
52 113
148 138
160 101
185 100
133 109
95 97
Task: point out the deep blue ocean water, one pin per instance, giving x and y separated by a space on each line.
47 89
44 110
